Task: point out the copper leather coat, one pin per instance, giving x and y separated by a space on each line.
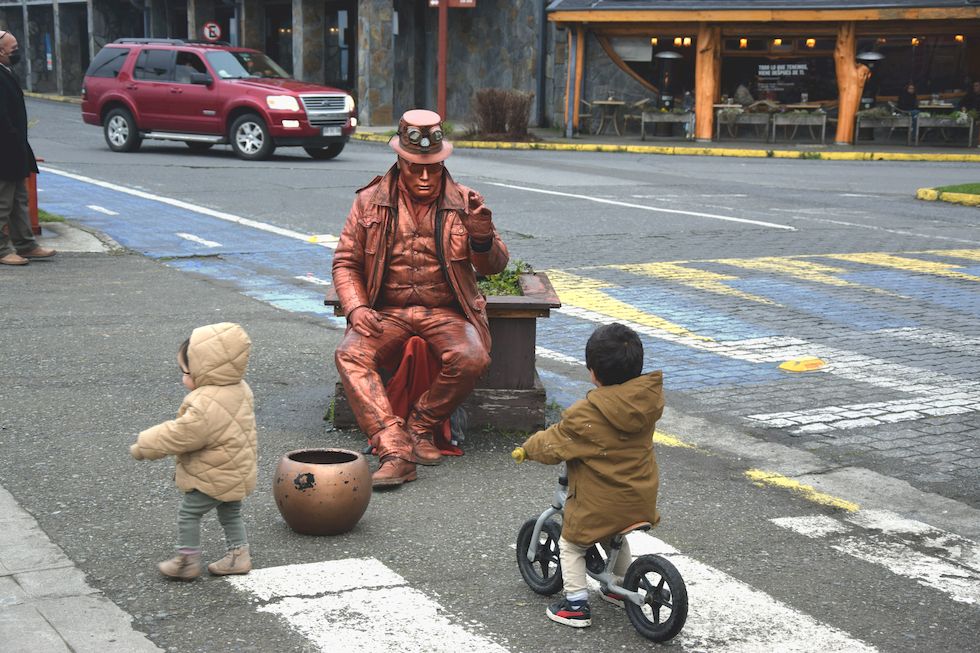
360 260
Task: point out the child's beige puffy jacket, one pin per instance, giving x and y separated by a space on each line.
214 435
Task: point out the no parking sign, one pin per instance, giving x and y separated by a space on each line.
212 31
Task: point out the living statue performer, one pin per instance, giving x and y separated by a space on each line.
405 266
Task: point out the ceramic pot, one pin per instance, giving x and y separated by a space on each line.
322 491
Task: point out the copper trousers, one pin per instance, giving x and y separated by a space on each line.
450 337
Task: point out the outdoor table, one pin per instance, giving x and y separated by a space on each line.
794 120
667 117
607 111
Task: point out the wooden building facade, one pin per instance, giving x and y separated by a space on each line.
832 52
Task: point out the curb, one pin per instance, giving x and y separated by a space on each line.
933 195
53 98
699 151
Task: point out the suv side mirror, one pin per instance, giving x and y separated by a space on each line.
202 78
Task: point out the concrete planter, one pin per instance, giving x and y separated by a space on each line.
796 120
943 123
663 117
735 120
510 396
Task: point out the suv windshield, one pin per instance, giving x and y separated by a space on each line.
241 65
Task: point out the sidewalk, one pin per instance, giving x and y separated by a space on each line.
46 604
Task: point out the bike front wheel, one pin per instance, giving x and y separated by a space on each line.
664 608
543 574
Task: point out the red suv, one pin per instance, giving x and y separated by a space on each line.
205 94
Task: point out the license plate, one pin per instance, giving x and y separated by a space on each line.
331 131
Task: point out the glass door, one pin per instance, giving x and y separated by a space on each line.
340 44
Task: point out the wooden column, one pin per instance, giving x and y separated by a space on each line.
579 69
851 77
707 79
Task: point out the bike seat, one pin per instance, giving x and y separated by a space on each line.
638 526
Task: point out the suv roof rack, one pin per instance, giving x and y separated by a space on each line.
141 40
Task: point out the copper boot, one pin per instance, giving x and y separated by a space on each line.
393 471
424 450
182 567
236 561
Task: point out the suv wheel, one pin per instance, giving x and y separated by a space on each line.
121 133
324 153
250 138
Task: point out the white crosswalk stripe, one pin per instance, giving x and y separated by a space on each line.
346 605
952 564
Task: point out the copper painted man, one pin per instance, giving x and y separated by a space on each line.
406 265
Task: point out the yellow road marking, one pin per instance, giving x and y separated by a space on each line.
762 478
586 293
801 269
970 254
906 264
670 441
694 278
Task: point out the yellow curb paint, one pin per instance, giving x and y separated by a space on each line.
927 194
906 264
53 98
671 441
966 199
697 151
763 478
582 292
700 279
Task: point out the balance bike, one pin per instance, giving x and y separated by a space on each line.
653 591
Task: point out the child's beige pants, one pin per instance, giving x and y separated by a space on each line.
573 563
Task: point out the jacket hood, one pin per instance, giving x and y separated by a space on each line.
632 407
218 354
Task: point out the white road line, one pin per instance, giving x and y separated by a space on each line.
602 200
544 352
198 240
101 209
221 215
309 278
347 605
796 215
718 621
951 566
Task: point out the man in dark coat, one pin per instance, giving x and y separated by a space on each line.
17 244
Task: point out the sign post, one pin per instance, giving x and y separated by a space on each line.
444 6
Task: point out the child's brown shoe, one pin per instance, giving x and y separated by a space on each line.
182 567
236 561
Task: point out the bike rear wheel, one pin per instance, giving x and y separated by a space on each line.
543 574
664 608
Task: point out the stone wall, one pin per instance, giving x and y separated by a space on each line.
113 19
375 62
12 19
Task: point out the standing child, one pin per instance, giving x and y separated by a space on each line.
215 443
606 440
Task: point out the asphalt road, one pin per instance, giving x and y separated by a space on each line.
100 355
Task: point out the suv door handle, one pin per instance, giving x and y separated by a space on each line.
132 87
175 90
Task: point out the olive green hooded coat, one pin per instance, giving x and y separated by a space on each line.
214 435
607 441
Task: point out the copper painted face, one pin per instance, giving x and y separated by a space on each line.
423 180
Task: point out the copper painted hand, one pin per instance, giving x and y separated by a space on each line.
477 218
366 322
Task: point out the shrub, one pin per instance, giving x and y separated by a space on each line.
501 112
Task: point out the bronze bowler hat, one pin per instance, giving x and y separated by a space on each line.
420 138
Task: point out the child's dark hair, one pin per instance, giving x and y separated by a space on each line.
614 353
182 353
